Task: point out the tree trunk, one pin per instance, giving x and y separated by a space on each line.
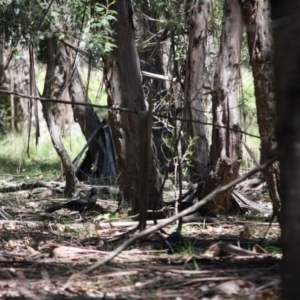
14 71
286 28
19 81
226 153
152 60
193 107
256 15
52 127
101 154
124 88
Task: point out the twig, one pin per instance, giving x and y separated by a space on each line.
183 213
4 214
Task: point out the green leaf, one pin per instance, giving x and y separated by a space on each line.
16 53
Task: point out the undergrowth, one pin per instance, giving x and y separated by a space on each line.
42 160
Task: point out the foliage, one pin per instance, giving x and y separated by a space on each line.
97 19
171 26
100 40
187 248
74 21
184 159
88 27
273 250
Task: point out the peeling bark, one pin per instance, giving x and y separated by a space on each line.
154 60
194 107
124 88
256 15
226 154
52 127
101 154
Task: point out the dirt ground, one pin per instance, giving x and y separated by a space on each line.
46 256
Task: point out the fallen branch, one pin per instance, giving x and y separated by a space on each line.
21 223
183 213
249 204
4 214
71 252
229 249
31 185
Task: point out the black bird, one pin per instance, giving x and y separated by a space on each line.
173 242
81 205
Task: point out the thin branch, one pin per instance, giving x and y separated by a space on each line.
183 213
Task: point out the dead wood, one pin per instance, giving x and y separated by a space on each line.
184 213
31 185
4 214
246 203
250 152
69 252
251 183
57 187
198 218
22 223
229 249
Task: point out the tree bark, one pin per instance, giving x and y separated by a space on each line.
152 60
193 107
257 17
100 148
226 153
52 127
124 88
286 32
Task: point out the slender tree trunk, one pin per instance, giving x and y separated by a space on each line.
194 108
52 127
256 15
124 88
4 83
19 81
14 74
226 153
156 89
286 28
101 150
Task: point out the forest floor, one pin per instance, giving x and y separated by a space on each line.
46 256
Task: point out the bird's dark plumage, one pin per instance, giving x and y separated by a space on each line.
81 205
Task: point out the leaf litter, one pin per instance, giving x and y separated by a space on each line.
44 257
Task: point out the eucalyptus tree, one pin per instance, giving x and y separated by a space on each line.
49 117
226 150
13 59
193 110
152 33
166 49
55 25
125 92
91 45
257 18
286 31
